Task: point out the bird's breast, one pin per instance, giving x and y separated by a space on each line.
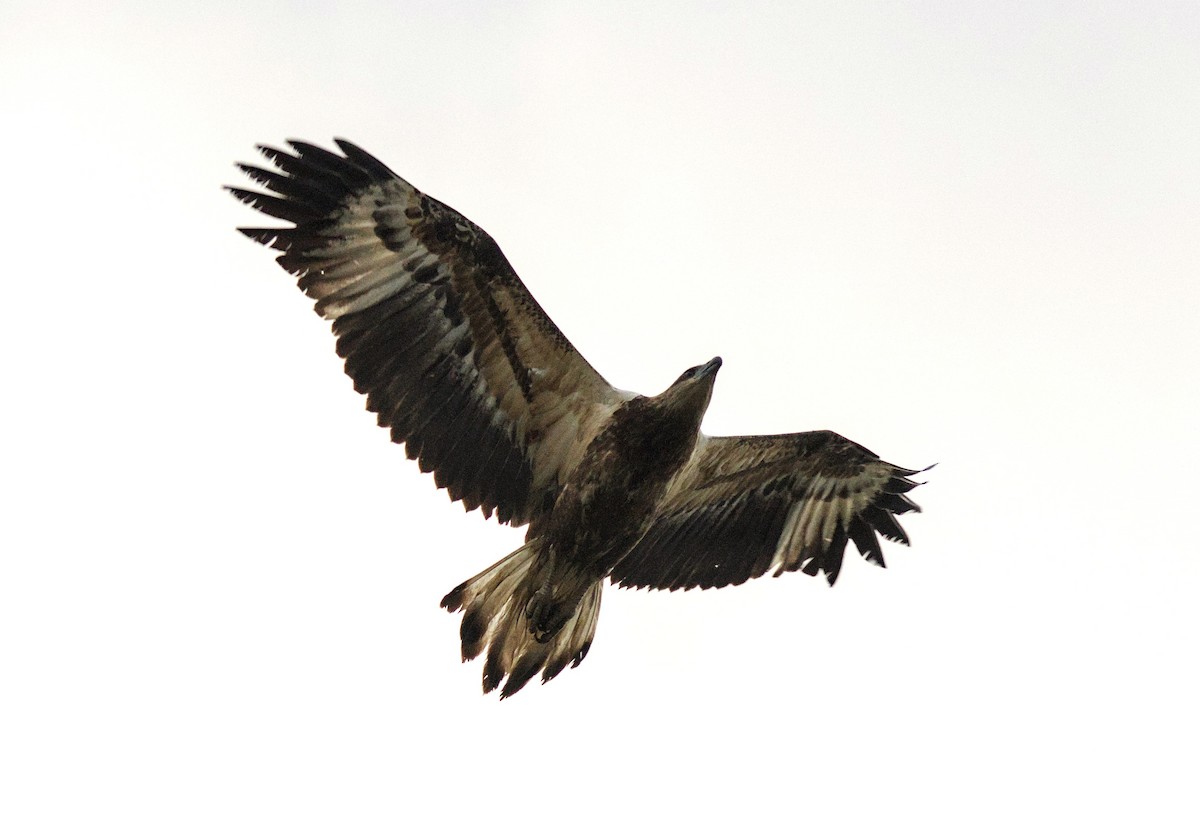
607 504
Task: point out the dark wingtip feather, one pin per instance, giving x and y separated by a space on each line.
345 169
361 158
275 155
884 523
276 239
866 542
896 503
316 152
291 210
258 175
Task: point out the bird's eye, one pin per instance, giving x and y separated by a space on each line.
689 374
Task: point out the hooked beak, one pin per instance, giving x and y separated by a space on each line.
710 368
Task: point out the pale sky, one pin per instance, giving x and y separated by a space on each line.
956 233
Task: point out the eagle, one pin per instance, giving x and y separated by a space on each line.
471 375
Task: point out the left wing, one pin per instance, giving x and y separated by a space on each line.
747 505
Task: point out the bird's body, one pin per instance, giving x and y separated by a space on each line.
461 362
607 504
613 493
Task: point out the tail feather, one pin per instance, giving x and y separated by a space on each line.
484 597
494 604
575 640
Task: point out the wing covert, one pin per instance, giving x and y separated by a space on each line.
436 328
748 505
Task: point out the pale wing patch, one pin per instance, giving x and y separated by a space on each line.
825 509
354 271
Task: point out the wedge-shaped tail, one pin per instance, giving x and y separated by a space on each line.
495 605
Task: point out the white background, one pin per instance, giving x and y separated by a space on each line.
954 232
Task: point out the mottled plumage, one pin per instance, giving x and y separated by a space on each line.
470 374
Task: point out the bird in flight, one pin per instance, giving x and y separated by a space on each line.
459 360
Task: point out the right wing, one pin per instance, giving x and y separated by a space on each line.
436 328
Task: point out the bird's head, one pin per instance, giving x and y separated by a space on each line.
693 389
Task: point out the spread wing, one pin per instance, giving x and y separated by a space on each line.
744 506
452 351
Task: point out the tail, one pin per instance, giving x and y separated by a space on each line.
496 607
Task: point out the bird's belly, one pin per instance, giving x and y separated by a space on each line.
606 522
